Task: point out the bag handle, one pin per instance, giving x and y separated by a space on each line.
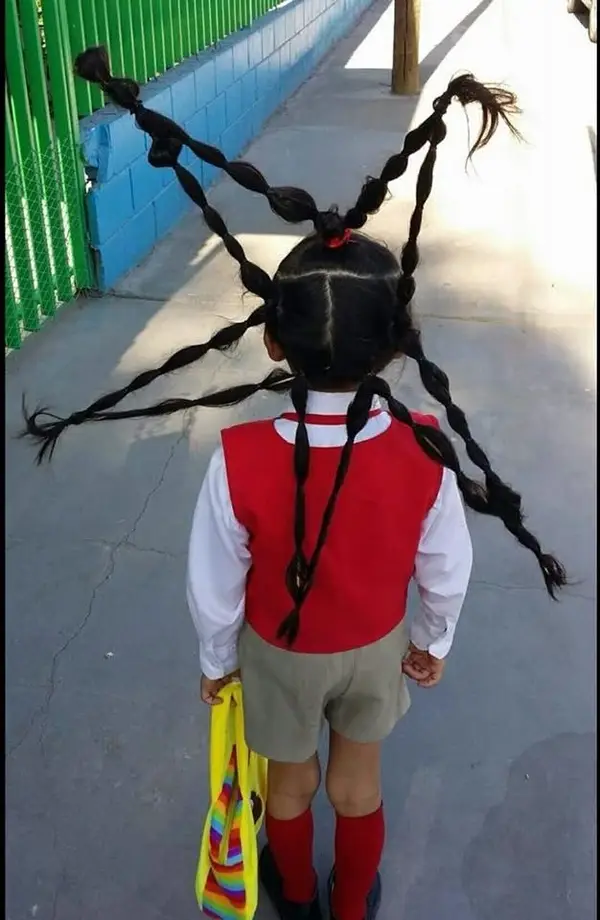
243 754
221 738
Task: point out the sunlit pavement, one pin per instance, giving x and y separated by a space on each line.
489 782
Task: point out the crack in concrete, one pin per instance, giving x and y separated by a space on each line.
44 709
153 549
495 584
131 545
98 541
25 735
129 295
62 876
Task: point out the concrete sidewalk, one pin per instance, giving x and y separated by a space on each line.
489 782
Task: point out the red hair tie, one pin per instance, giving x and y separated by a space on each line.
337 241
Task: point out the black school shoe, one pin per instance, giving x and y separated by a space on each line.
273 885
373 899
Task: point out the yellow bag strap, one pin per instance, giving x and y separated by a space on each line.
243 754
221 739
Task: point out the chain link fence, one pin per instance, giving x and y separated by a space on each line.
42 217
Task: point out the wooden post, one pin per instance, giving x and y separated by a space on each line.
405 66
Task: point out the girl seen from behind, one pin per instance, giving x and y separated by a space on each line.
309 527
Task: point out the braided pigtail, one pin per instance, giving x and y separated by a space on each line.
497 104
296 572
374 191
358 413
437 385
495 503
46 433
292 204
164 153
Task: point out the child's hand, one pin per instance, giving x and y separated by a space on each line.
209 689
422 667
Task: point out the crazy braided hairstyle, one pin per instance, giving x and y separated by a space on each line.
320 354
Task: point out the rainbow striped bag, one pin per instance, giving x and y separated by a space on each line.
227 875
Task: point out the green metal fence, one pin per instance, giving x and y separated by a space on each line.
147 37
46 255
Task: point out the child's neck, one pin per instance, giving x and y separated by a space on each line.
348 389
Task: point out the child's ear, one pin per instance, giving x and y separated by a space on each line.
274 350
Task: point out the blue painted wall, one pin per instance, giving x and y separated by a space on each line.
223 96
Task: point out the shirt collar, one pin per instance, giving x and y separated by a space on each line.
333 403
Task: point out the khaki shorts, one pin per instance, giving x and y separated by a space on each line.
288 695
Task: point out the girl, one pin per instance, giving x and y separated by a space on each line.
309 527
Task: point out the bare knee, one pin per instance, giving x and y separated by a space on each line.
354 799
292 787
353 780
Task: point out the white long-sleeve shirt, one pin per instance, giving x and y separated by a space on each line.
219 558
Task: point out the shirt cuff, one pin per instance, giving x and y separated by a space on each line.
437 646
218 662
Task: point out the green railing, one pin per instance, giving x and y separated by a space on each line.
46 256
147 37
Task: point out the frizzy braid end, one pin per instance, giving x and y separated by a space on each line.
497 104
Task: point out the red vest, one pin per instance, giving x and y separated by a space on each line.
359 592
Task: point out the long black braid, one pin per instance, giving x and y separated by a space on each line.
356 419
297 570
496 103
164 153
500 103
502 503
436 382
46 433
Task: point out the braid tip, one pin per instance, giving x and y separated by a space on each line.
554 573
290 627
93 65
45 434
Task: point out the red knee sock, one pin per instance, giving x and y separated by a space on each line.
291 843
358 849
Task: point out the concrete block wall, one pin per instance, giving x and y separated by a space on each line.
222 96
